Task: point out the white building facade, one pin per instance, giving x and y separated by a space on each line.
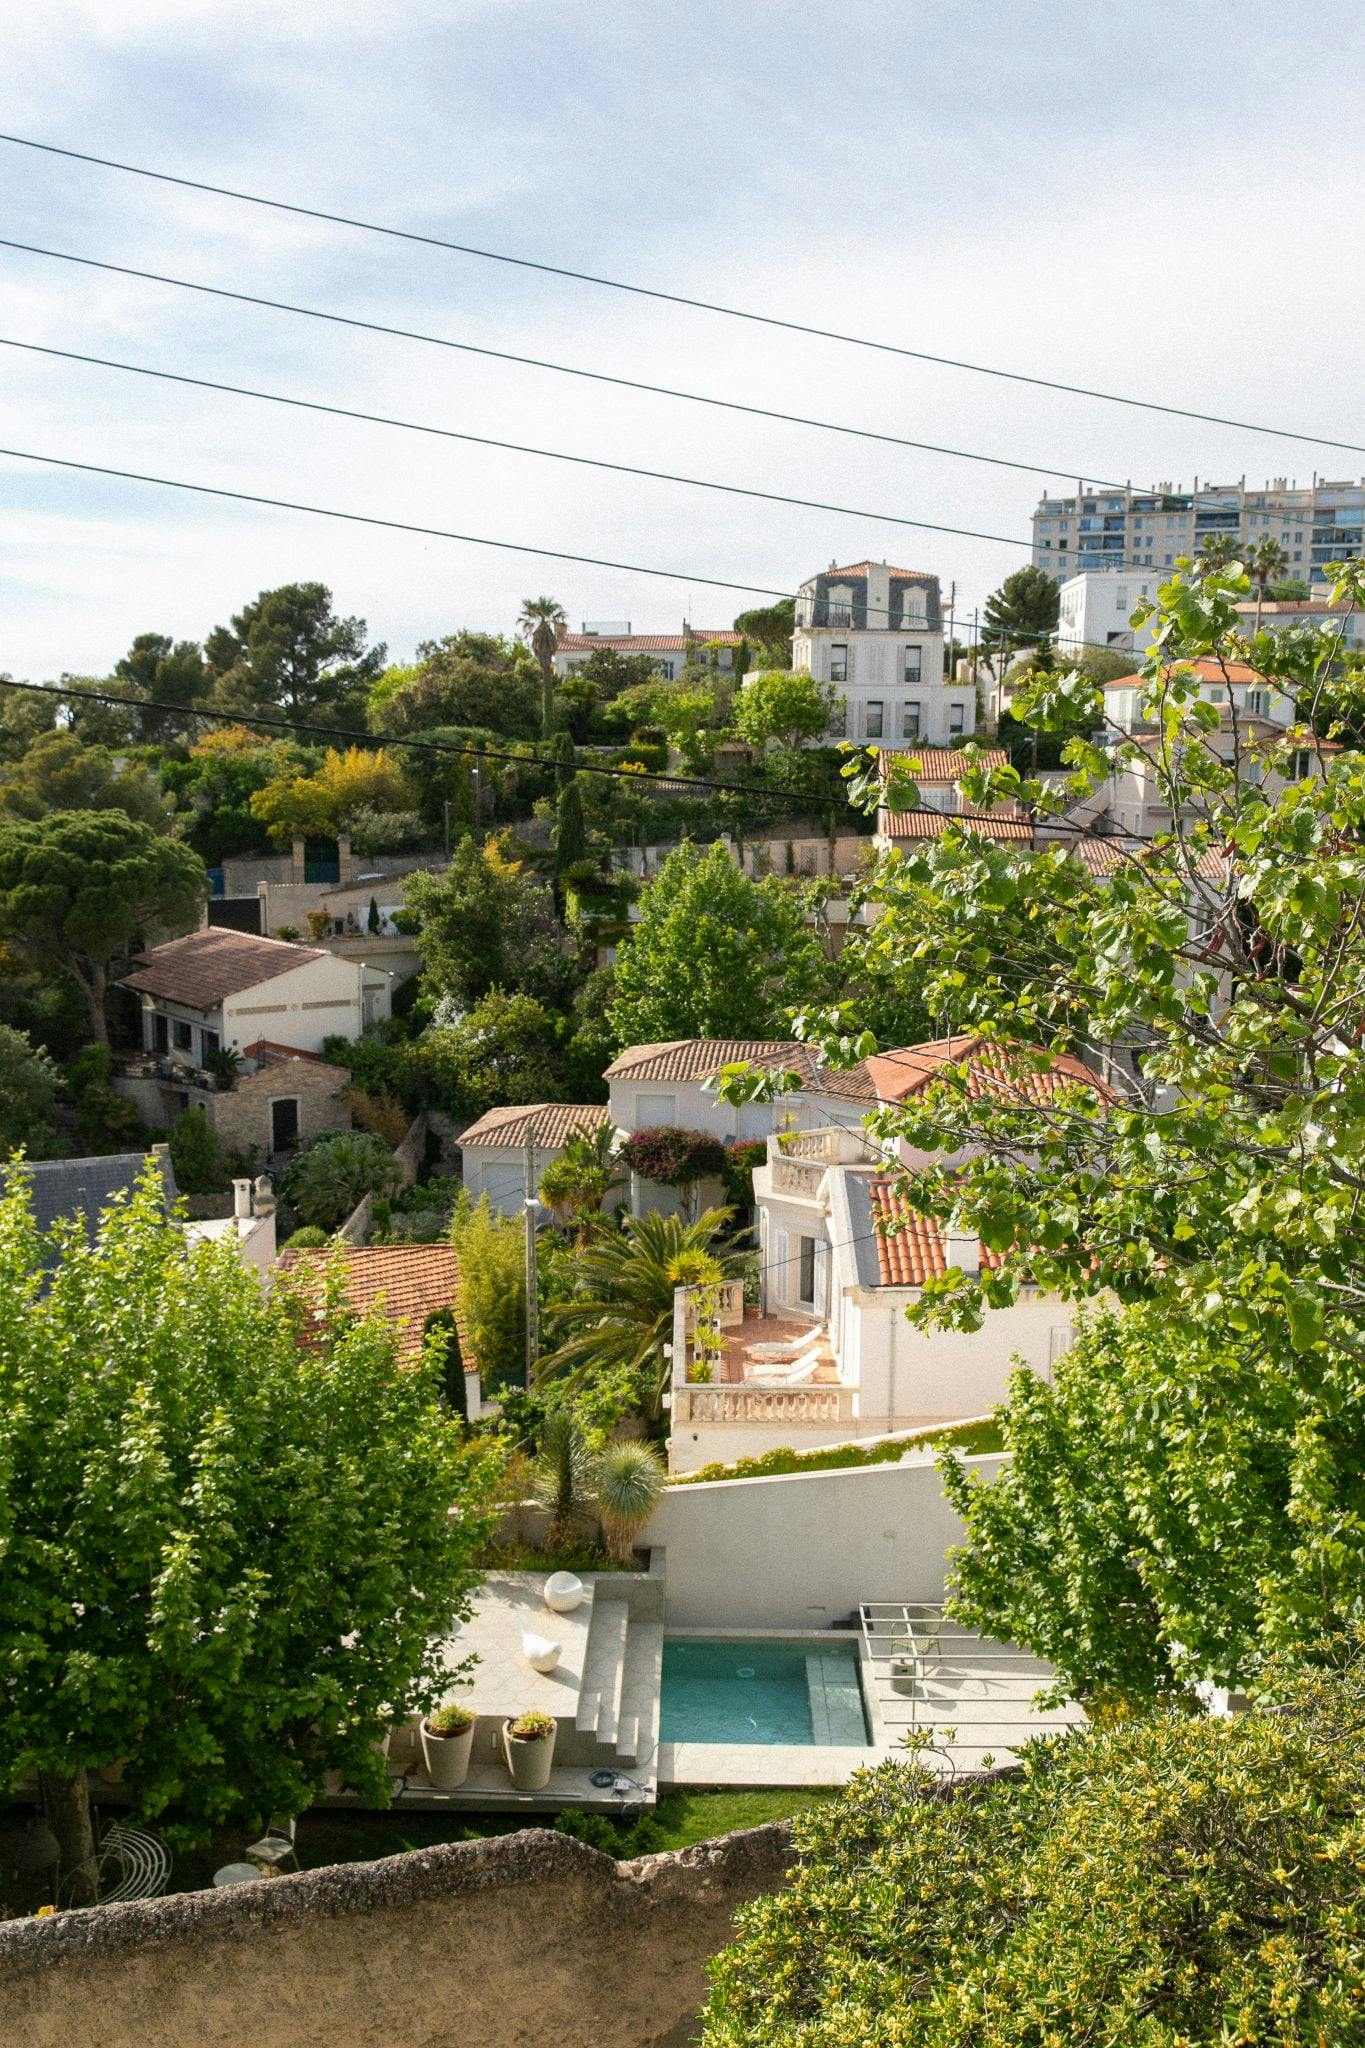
875 635
1095 610
668 653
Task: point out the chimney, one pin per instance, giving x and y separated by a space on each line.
263 1196
241 1200
962 1250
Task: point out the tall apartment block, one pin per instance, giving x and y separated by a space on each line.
1315 524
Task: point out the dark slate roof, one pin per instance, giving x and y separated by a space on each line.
86 1187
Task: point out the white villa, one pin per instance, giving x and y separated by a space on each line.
875 634
219 990
827 1356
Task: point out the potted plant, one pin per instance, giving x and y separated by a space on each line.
447 1739
529 1746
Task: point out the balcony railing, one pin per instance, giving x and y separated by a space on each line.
801 1177
791 1407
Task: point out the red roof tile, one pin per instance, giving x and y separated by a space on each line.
861 569
555 1123
698 1059
408 1282
938 764
1206 668
910 1247
1000 825
204 967
647 643
992 1070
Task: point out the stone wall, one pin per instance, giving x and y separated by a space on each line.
513 1942
241 1115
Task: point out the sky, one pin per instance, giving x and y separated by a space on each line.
1159 201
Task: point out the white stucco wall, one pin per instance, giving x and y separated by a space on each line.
907 1376
321 999
802 1551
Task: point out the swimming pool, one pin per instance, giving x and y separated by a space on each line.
762 1689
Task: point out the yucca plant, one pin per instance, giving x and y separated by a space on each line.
628 1480
562 1476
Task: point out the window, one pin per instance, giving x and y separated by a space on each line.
209 1042
161 1033
805 1284
910 720
838 662
912 665
875 712
181 1036
957 721
1300 764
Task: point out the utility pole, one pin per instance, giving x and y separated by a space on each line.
532 1285
948 653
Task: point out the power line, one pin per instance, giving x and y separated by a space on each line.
678 298
499 355
512 447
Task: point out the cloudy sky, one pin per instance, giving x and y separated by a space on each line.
1159 200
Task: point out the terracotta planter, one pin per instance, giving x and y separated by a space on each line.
447 1757
529 1762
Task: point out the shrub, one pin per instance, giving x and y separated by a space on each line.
737 1172
195 1153
1174 1879
326 1181
627 1482
310 1239
672 1156
381 1112
973 1439
492 1288
614 1836
451 1719
532 1727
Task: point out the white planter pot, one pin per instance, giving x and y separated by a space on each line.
447 1757
563 1592
530 1763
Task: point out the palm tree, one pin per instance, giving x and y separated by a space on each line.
583 1175
626 1484
1219 551
622 1316
541 621
562 1472
1265 564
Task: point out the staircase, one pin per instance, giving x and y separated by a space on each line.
617 1721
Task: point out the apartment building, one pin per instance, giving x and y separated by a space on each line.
875 634
1129 528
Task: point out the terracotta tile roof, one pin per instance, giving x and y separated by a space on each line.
1001 825
204 967
939 764
910 1247
555 1123
990 1071
1207 669
268 1052
861 569
647 643
697 1059
409 1282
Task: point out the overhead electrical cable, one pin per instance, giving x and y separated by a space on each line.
499 355
487 441
674 298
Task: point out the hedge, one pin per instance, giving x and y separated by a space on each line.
973 1438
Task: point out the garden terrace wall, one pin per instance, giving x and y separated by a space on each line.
523 1938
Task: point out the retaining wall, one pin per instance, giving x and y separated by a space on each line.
523 1939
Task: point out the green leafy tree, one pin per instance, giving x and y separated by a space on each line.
1180 1882
328 1178
77 888
491 1289
230 1558
196 1155
610 673
359 782
789 708
505 1049
171 677
59 773
1217 975
621 1316
541 623
770 628
288 650
571 833
1021 613
714 955
484 922
468 681
29 1084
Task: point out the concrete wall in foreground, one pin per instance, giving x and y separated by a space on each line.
803 1550
528 1938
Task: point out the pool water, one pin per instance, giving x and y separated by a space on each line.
760 1690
